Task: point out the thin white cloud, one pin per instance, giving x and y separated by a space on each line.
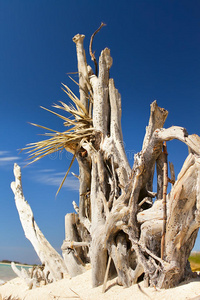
47 170
7 158
4 153
60 174
54 179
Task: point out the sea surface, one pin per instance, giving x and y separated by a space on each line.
6 272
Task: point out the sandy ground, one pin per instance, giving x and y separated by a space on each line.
80 288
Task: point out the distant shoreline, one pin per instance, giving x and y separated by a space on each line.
17 264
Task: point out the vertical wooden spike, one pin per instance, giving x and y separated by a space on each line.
165 184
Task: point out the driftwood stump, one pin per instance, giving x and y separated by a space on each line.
117 224
124 222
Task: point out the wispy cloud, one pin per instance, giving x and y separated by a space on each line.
50 177
4 153
7 157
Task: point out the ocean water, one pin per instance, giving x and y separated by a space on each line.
6 272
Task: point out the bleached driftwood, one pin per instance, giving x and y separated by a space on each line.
48 255
34 277
72 253
82 69
124 222
117 218
23 274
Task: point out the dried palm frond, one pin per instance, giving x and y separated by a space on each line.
66 175
80 126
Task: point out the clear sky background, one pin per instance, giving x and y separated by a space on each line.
155 47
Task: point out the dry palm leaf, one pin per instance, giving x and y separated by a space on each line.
80 126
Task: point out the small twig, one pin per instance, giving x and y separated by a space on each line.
72 73
151 194
78 257
114 176
77 176
145 200
90 48
67 297
145 249
141 290
106 275
172 172
90 107
75 293
73 245
76 208
171 181
165 184
154 256
10 298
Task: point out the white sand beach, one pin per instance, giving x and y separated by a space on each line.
80 288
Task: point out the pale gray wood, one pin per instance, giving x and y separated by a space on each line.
82 68
116 215
72 254
46 253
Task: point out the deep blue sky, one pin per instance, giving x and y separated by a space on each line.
155 47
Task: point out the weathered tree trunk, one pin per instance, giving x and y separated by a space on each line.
120 221
48 256
124 221
183 222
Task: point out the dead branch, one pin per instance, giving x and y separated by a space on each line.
92 54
